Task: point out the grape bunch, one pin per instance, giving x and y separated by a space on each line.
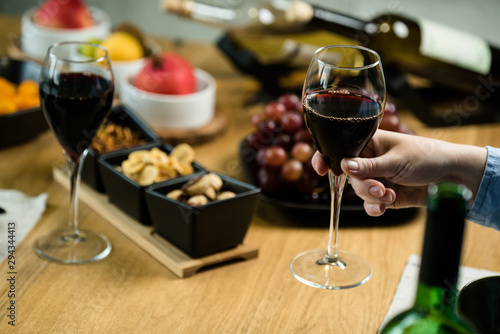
281 148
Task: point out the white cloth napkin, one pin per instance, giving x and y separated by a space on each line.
405 292
21 214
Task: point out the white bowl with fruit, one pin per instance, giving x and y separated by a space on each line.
55 21
170 94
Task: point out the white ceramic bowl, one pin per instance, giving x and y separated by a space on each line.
167 112
35 39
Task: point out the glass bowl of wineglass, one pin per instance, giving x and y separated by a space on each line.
343 100
76 93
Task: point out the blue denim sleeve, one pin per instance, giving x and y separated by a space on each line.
486 207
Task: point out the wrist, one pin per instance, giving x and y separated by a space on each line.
468 166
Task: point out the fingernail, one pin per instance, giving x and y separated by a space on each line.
376 192
352 165
377 209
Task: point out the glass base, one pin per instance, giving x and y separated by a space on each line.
87 247
346 271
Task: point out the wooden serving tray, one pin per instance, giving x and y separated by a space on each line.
181 264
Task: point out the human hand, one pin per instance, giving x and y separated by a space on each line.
394 170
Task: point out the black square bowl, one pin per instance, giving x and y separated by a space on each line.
123 116
206 229
125 193
26 124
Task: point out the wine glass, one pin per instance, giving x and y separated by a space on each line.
76 93
343 100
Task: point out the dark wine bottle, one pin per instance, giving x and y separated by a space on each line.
434 307
430 50
427 49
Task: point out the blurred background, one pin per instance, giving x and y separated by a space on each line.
481 17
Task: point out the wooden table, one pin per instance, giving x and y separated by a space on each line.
130 292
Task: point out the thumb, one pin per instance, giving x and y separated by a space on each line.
364 168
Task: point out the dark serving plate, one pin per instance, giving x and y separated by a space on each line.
25 124
123 116
279 210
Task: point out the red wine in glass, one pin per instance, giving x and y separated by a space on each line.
341 123
75 108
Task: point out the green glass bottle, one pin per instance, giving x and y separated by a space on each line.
434 307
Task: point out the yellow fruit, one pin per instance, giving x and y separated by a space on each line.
28 88
26 102
122 46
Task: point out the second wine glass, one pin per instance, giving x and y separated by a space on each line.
343 101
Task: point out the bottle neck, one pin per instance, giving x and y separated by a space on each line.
229 15
442 246
318 17
439 300
344 25
442 241
200 11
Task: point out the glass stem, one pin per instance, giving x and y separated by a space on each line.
337 184
74 171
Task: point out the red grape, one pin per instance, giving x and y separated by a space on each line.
267 131
257 119
390 108
302 135
253 141
261 158
284 140
290 101
275 156
292 170
292 121
302 151
274 110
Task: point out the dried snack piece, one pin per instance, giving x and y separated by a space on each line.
131 167
148 175
197 200
210 193
215 181
184 153
196 186
225 195
175 194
